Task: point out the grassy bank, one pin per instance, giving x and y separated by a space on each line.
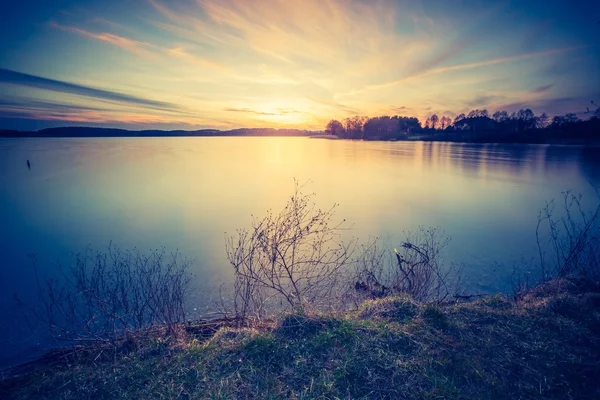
544 346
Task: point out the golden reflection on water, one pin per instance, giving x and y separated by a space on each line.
185 193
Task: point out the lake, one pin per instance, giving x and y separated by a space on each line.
186 194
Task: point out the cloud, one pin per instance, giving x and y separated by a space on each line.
183 54
559 105
30 120
280 111
542 89
21 109
248 111
316 36
466 66
400 110
503 60
437 58
34 81
143 49
20 104
481 101
133 46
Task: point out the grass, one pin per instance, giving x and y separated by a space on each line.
546 346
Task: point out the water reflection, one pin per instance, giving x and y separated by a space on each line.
516 161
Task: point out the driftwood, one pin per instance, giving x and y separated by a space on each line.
205 329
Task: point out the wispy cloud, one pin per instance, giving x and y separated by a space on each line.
186 56
249 111
316 37
49 111
481 101
279 111
503 60
553 105
139 48
133 46
20 104
466 66
85 116
542 89
34 81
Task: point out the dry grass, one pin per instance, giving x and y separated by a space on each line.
544 347
401 307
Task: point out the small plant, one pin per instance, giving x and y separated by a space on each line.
569 244
108 296
416 269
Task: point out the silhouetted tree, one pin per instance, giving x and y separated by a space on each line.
434 120
408 125
445 122
427 122
335 127
542 121
386 127
597 112
522 120
478 113
522 126
457 121
381 127
557 121
354 127
571 118
500 116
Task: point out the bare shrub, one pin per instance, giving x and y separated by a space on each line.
291 261
416 269
105 296
569 245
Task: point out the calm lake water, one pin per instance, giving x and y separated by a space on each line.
186 193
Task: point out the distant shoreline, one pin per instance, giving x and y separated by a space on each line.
91 133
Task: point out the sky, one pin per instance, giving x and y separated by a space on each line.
193 64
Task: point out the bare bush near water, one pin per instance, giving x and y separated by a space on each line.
294 260
104 296
570 244
415 268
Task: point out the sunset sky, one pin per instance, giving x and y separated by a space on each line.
190 64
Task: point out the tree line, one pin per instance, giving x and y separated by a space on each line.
477 125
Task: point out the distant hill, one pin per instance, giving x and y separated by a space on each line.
73 132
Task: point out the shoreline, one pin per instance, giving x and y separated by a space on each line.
466 349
